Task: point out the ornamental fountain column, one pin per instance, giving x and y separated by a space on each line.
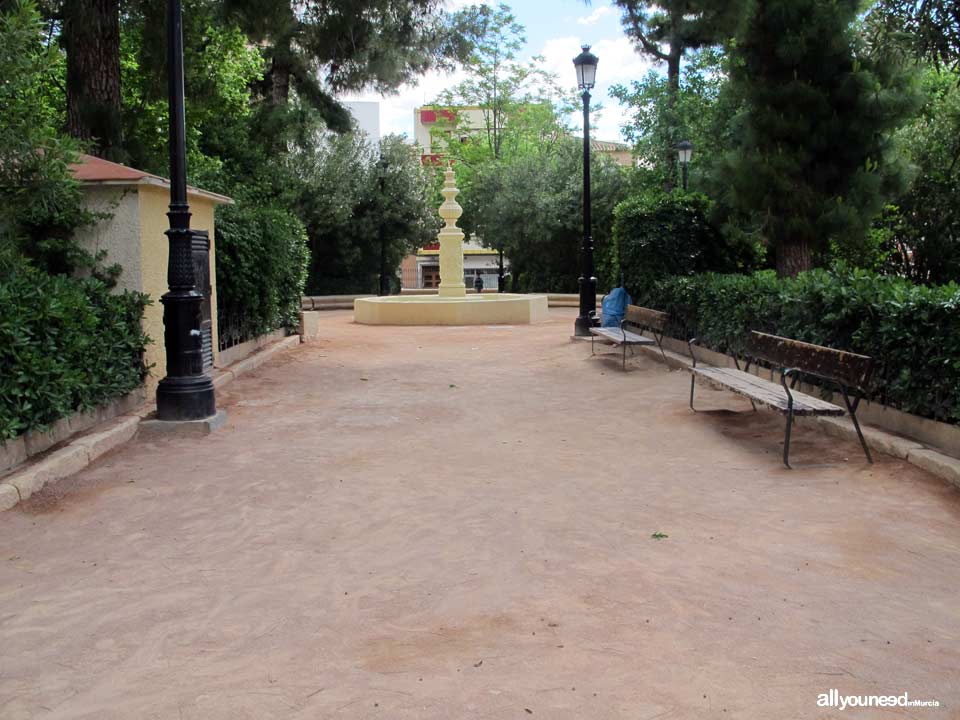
451 241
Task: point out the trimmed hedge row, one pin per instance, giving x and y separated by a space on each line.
66 345
912 332
262 259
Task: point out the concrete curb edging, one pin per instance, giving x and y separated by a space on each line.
81 451
934 462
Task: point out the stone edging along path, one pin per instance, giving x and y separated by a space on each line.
82 450
933 461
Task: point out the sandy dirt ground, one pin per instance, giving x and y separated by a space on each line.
458 523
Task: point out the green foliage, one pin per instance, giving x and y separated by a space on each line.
913 333
219 69
262 262
516 98
659 236
680 25
666 31
51 327
364 209
918 235
531 207
928 31
320 49
699 112
813 161
41 200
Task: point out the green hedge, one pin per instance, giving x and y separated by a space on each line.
912 332
66 345
672 235
262 259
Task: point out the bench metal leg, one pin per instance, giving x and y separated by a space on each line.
786 439
746 369
592 338
856 424
624 357
692 385
659 340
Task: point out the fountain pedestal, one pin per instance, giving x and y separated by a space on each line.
452 305
451 241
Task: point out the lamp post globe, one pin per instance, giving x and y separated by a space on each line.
586 66
684 153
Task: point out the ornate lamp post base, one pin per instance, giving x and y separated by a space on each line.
185 398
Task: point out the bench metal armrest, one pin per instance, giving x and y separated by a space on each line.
622 331
690 343
784 374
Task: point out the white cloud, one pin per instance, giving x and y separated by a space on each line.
595 15
619 63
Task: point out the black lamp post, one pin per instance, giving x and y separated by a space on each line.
586 66
684 153
186 393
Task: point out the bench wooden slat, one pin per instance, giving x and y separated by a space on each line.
766 392
645 317
616 336
841 366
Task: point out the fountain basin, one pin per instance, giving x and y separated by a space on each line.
493 309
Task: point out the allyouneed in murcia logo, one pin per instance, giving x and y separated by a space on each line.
833 699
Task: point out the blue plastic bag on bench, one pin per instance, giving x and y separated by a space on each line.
614 306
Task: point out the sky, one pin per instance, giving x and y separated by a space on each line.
555 29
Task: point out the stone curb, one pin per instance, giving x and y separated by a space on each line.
915 453
82 451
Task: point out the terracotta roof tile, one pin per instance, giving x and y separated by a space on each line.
97 170
94 169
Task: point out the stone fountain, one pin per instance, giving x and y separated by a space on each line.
451 305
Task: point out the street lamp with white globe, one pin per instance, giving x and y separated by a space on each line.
586 67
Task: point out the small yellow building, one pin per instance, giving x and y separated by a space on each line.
133 237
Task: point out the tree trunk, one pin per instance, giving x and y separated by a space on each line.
91 38
279 82
674 56
794 257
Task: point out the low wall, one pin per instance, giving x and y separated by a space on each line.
329 302
345 302
245 349
33 442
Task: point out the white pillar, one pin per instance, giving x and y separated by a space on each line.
451 241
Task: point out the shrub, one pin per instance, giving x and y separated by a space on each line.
670 235
52 328
262 256
912 332
42 202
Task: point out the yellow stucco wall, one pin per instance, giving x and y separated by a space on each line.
153 269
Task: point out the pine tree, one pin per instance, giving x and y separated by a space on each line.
813 162
666 31
320 48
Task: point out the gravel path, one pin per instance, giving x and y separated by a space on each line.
458 523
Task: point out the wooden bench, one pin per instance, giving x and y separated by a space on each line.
640 318
795 359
